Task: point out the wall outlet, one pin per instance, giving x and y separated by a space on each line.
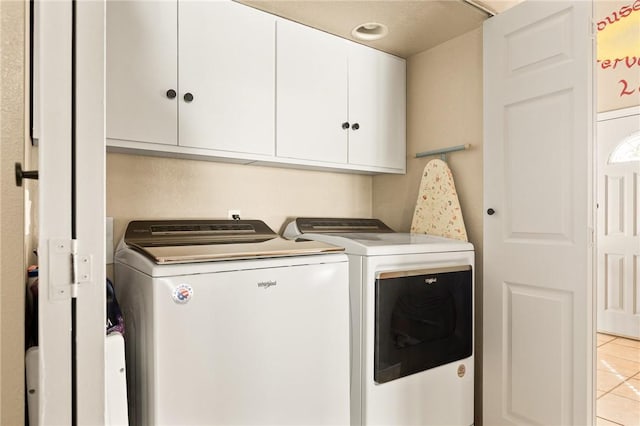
233 214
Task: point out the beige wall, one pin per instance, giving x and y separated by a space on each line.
141 187
12 33
444 108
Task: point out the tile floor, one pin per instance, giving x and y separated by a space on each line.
618 381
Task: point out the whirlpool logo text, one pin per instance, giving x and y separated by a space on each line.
267 284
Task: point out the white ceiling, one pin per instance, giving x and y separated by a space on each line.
414 25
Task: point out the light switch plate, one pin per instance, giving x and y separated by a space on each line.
108 239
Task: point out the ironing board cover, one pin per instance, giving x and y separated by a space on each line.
438 208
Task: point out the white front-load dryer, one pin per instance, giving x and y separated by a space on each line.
412 323
228 324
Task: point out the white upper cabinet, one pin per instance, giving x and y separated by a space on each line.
311 94
377 108
227 65
222 81
141 71
224 55
339 101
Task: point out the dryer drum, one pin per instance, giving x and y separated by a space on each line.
423 317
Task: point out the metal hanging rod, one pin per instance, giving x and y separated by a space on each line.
443 151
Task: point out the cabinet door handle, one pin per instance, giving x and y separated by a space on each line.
491 212
345 125
188 97
171 94
355 126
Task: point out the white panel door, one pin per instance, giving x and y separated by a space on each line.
618 228
538 162
142 71
71 322
227 64
377 108
54 221
311 94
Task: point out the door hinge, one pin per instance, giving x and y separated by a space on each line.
67 269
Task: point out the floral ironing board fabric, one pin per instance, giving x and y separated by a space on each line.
438 208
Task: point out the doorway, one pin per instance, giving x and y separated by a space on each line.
618 259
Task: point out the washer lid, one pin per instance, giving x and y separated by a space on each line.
187 241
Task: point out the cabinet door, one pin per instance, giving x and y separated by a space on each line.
141 69
227 63
377 99
311 94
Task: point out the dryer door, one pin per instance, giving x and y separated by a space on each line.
423 319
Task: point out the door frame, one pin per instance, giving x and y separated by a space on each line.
92 407
601 117
618 113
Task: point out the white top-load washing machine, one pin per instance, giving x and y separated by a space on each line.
412 322
227 323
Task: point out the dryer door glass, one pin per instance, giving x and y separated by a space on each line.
423 319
